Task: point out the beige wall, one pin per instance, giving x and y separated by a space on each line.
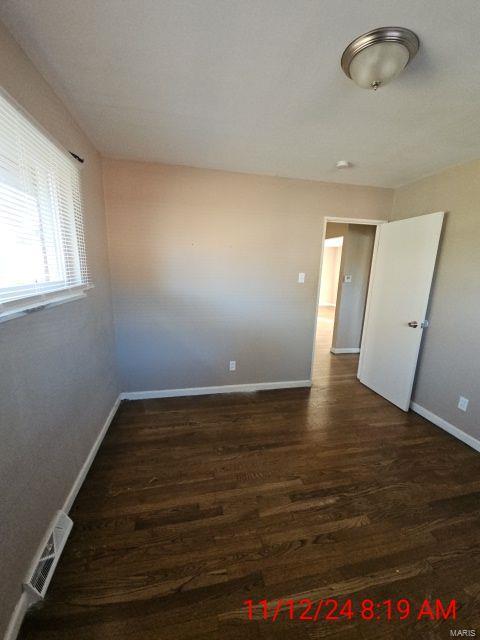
205 266
356 261
332 257
331 260
57 374
335 230
450 358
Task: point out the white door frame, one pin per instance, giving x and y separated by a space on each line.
326 220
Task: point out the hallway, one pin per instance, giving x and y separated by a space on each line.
325 364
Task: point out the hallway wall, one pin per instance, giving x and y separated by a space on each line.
331 260
356 261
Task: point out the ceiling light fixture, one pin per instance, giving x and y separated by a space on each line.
376 57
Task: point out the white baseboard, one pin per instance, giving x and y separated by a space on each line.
17 617
349 350
202 391
67 505
446 426
24 601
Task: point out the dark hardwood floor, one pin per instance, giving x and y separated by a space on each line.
194 505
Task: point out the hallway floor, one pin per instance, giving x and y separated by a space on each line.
323 342
195 505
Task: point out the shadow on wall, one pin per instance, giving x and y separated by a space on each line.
165 344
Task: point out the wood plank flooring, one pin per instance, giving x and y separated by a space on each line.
194 505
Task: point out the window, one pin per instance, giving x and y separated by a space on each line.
42 247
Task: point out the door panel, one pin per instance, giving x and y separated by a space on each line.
402 272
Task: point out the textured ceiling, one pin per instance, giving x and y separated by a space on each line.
256 85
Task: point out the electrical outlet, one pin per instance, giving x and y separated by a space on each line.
462 403
233 365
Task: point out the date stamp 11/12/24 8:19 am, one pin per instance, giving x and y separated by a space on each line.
335 610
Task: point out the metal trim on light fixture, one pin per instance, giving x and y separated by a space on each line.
399 35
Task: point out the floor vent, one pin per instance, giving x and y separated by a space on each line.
39 578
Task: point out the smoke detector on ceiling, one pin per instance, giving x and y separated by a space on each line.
343 164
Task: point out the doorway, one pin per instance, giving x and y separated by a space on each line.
347 250
386 313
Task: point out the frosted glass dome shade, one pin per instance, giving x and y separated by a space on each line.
378 63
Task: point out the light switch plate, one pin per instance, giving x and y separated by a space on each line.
462 403
233 365
301 278
347 278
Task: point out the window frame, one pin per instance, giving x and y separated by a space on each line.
52 295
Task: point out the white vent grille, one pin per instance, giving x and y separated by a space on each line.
44 566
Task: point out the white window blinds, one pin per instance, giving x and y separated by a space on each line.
42 247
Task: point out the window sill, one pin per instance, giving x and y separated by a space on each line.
19 308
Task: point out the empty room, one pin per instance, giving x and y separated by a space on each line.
239 319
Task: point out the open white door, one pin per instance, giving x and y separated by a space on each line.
400 281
